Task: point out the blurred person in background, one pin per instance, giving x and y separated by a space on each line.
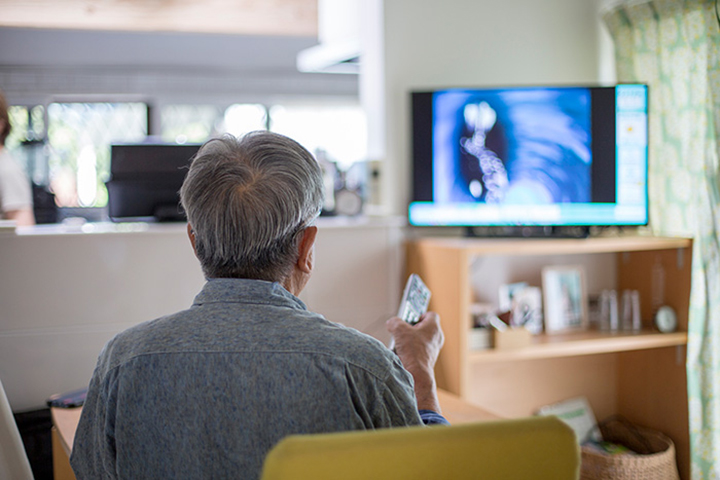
15 191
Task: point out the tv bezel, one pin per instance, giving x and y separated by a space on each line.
424 136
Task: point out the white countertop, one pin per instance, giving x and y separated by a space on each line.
79 227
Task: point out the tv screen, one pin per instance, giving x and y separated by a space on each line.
530 156
146 179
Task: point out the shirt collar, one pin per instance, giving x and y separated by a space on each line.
243 290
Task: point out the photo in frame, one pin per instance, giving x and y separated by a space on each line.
565 298
527 309
507 292
525 303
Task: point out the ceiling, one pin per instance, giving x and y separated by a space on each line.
241 17
23 47
238 35
50 47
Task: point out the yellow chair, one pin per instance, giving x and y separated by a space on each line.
529 448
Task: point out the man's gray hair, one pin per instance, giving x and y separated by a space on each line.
247 200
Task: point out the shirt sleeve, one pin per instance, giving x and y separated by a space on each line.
93 453
432 418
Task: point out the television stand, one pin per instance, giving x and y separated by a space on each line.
528 232
640 375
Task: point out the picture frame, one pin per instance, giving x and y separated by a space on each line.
527 309
565 298
525 304
507 292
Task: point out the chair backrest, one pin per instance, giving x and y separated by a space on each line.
13 459
535 448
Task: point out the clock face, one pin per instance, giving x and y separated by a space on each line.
665 319
347 202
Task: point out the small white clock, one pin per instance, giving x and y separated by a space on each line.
665 319
348 202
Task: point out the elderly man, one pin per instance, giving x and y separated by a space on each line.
207 392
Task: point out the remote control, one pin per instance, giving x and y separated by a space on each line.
415 300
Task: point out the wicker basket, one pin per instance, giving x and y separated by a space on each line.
656 459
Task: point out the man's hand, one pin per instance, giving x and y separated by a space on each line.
418 347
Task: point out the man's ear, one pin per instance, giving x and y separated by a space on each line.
191 236
305 249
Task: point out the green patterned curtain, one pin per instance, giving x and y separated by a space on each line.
674 47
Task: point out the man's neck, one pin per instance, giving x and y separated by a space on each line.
295 282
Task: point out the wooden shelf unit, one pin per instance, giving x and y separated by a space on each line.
639 375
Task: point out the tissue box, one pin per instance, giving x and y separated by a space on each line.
511 338
480 339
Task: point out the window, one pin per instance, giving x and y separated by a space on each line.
79 137
190 123
27 123
241 119
339 130
74 160
24 141
336 130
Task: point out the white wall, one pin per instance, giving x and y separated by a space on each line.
473 43
357 280
606 47
64 292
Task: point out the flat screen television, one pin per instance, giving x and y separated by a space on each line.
530 156
145 181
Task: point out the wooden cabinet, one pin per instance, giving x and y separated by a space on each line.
639 375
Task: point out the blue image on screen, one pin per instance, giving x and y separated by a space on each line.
528 146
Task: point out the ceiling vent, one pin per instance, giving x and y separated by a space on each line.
339 37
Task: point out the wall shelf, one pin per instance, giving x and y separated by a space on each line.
581 343
565 246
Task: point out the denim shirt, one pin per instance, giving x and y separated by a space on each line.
207 392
